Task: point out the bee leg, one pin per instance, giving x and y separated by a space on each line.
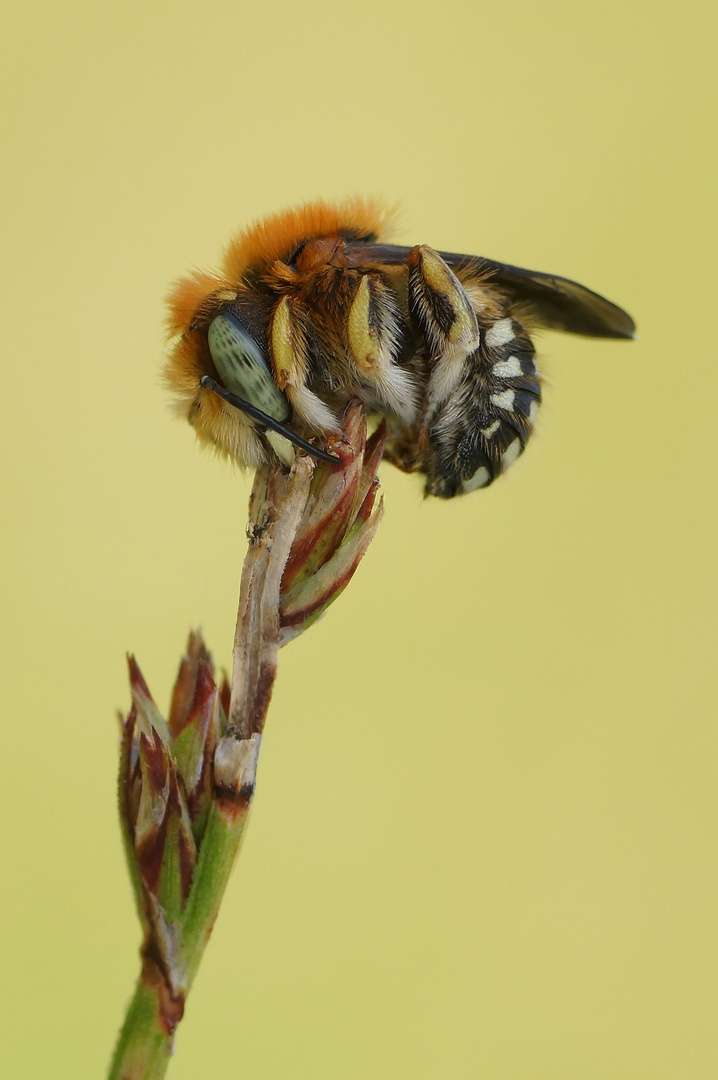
407 449
374 335
446 317
290 353
480 430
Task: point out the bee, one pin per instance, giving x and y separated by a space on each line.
312 307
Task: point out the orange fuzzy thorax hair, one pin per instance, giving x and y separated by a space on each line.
264 242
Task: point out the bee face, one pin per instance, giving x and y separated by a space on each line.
311 309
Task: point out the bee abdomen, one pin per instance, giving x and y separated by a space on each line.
485 425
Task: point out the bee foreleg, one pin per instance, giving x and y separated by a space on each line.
291 361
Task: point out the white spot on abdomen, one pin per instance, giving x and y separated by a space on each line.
500 333
504 400
508 369
491 429
511 452
480 479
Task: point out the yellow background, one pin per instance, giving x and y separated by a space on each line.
483 843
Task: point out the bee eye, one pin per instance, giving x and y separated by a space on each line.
242 368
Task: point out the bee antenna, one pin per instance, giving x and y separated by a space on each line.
266 421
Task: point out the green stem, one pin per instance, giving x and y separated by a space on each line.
217 855
176 934
144 1046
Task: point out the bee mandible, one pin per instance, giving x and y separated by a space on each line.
312 308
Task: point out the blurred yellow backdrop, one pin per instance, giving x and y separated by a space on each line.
483 843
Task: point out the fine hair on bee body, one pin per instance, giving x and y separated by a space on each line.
312 307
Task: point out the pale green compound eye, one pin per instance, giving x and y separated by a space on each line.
242 368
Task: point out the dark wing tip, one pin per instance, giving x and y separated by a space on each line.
582 311
625 326
557 302
562 304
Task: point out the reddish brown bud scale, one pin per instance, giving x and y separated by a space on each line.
137 680
171 1005
224 695
185 689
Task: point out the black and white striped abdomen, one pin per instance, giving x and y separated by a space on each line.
483 426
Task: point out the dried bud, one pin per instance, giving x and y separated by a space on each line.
158 821
196 721
339 521
166 790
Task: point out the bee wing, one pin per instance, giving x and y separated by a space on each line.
556 302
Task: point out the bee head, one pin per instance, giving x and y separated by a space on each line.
222 374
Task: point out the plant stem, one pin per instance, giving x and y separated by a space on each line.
144 1045
217 854
174 947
